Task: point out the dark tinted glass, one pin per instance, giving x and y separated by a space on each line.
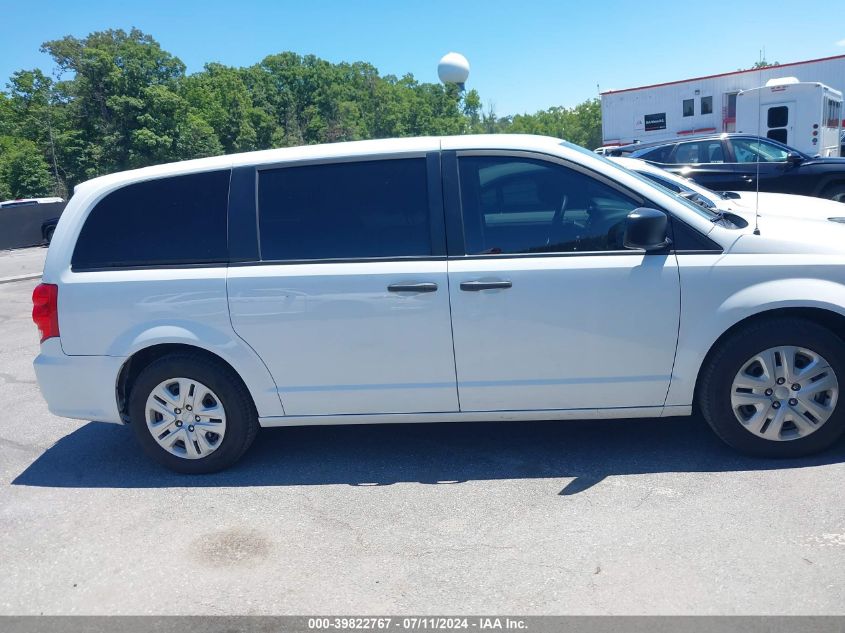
752 151
706 105
519 205
696 152
689 107
732 105
658 155
777 135
778 117
176 220
344 210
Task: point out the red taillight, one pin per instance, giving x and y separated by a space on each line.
45 310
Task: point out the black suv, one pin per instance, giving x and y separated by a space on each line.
731 162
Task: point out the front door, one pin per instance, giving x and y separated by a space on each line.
349 305
549 311
760 159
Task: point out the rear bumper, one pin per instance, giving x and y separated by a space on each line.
80 387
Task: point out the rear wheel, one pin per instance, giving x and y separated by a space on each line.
772 388
48 234
191 414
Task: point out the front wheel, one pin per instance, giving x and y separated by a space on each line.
191 414
772 388
835 193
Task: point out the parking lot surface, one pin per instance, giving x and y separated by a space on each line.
593 517
23 262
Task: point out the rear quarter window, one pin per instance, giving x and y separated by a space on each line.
658 155
168 221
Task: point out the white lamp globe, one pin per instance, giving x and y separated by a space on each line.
453 69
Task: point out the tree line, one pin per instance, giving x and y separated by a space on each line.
117 100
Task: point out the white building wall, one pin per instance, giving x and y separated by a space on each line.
623 111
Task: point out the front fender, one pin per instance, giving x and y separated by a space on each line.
705 318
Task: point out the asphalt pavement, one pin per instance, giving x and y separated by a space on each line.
21 264
593 517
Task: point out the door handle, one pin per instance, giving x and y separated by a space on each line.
422 287
484 285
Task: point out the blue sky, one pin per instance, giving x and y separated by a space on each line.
525 55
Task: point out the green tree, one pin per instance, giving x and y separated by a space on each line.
220 96
580 125
123 100
23 171
120 101
34 115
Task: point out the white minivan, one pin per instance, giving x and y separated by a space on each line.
432 279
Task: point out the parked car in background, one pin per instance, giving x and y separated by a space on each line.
29 222
744 203
493 277
732 162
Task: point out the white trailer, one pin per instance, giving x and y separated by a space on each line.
803 115
700 105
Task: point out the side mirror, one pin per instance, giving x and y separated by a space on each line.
645 229
794 158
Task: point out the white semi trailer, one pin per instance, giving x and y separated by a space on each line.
803 115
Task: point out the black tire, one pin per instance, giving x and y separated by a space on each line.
48 234
835 192
241 417
714 392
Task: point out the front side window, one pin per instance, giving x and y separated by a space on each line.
752 151
517 205
689 107
349 210
163 222
706 105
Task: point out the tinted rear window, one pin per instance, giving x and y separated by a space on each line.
345 210
176 220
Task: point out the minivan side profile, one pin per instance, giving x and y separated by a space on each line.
474 278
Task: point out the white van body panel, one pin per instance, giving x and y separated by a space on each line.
338 342
564 335
158 306
521 357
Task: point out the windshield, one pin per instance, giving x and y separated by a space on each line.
698 208
681 189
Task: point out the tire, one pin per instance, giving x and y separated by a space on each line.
836 193
717 389
225 388
48 234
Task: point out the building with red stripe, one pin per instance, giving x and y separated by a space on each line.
700 105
